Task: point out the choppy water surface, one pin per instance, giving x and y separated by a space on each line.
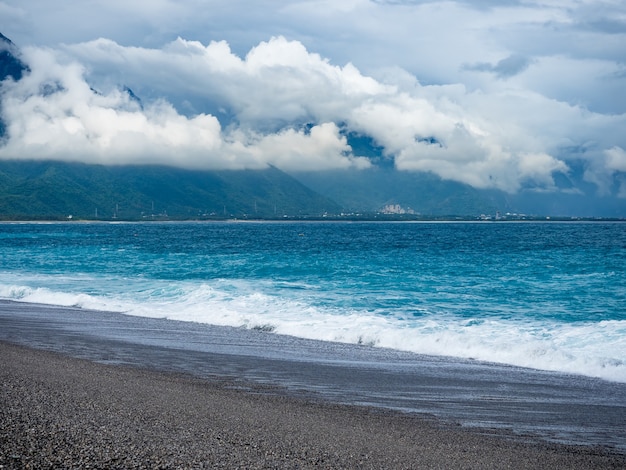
543 295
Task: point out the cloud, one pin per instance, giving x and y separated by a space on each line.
280 104
505 68
302 150
616 159
616 166
53 113
278 81
526 42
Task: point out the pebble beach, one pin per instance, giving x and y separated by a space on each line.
63 412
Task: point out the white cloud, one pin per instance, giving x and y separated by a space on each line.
320 148
278 81
53 113
616 159
495 94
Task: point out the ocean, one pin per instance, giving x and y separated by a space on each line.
544 295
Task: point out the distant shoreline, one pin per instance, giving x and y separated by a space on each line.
548 219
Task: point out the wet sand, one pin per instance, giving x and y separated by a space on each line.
62 412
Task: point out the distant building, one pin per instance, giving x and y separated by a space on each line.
396 209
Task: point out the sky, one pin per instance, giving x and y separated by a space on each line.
504 94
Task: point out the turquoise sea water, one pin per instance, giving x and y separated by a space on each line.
542 295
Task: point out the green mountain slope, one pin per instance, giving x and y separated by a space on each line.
55 190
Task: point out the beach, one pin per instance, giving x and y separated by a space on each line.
104 390
63 412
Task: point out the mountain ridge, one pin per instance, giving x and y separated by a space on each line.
57 190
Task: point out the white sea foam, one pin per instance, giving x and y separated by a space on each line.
42 295
593 349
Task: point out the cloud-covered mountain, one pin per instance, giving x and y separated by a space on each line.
11 67
10 63
206 107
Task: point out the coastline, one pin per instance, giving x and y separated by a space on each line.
315 220
63 411
299 404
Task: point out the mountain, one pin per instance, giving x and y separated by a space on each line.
374 189
10 63
10 67
565 204
55 190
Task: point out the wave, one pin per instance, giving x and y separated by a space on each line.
596 349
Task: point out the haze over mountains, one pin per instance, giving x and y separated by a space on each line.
36 187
